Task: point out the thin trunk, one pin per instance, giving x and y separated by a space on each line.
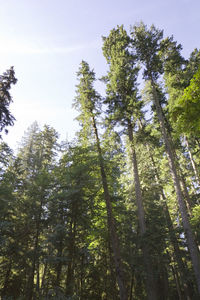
131 287
70 271
173 238
60 264
182 180
176 278
186 194
60 248
178 255
150 281
31 278
38 280
111 221
47 285
183 270
81 279
43 285
35 253
192 162
139 202
186 225
113 281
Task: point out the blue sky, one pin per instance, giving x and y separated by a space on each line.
45 41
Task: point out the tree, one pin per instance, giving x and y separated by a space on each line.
6 80
87 100
147 45
33 168
124 109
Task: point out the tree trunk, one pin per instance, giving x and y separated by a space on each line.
150 281
186 194
35 253
111 221
172 235
32 274
186 225
138 193
192 162
43 283
38 280
70 271
178 255
176 278
111 264
59 264
131 287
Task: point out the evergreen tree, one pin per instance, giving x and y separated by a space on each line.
6 80
124 109
87 99
31 190
147 44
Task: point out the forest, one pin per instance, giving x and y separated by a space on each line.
115 213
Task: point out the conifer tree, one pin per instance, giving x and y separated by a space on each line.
124 109
36 157
87 100
6 80
147 45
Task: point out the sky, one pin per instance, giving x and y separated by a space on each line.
45 41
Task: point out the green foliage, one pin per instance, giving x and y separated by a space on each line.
195 220
6 80
121 78
87 98
186 109
147 43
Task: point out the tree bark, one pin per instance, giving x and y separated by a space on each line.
70 271
172 235
43 285
176 278
192 162
186 194
150 281
110 219
59 264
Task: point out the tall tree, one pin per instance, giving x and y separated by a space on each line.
87 100
37 156
147 45
124 109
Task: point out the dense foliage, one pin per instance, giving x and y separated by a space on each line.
114 214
